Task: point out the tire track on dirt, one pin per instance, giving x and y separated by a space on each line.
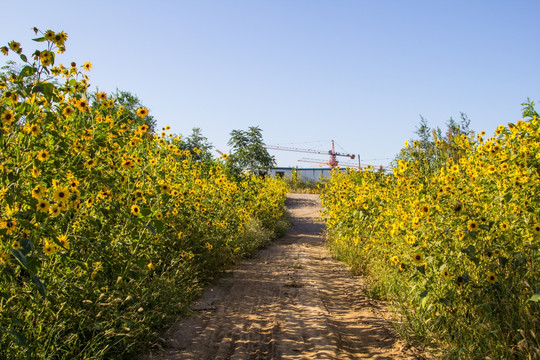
291 301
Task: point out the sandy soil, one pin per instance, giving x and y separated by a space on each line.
291 301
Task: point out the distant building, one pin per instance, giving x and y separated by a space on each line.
305 174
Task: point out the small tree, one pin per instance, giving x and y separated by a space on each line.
432 148
198 145
130 102
248 152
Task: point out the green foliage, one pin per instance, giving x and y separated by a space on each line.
248 152
130 103
107 230
451 239
198 145
432 148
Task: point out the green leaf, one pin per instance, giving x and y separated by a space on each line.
24 58
27 71
151 228
40 39
39 284
158 225
422 269
424 300
21 258
470 251
26 245
46 89
33 264
18 338
535 298
145 211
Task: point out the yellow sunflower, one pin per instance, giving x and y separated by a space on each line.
418 258
135 210
472 225
61 194
43 205
142 112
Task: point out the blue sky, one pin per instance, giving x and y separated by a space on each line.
307 72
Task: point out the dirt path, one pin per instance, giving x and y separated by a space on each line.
291 301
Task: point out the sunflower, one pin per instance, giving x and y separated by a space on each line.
35 172
127 163
61 37
108 103
43 205
536 228
504 226
101 96
135 210
48 248
445 274
61 194
143 128
87 66
68 111
142 112
74 184
54 210
34 129
224 156
16 245
43 155
90 163
8 116
418 258
82 105
62 239
15 46
472 225
45 57
492 278
38 192
165 188
49 35
411 239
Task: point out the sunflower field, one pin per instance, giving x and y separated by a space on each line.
453 247
107 230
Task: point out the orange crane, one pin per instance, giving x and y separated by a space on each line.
333 154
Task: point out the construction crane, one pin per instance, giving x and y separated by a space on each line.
332 152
